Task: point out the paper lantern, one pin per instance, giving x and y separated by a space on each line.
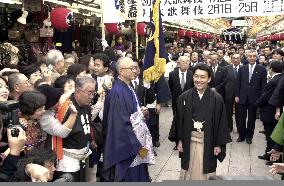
141 29
195 34
61 18
281 36
112 28
189 33
181 33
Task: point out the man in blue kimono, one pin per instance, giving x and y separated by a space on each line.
128 145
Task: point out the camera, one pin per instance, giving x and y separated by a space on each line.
9 111
14 131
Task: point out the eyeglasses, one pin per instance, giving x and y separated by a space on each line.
27 82
131 68
89 93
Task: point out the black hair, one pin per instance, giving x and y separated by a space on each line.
62 80
38 82
111 53
103 57
276 66
203 67
76 69
277 51
30 101
41 155
29 70
127 45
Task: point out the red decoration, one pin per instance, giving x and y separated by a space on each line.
61 18
195 34
181 33
281 36
189 33
112 28
142 29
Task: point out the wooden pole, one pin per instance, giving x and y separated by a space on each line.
102 24
137 37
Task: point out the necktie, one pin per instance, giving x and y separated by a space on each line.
135 86
182 81
250 72
236 72
213 71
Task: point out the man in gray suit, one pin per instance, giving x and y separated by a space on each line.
232 72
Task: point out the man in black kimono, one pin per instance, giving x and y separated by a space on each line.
201 127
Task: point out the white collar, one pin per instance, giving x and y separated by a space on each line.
180 72
216 67
275 75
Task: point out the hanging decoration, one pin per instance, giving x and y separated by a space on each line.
181 33
142 29
112 28
61 18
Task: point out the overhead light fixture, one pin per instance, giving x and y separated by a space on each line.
23 18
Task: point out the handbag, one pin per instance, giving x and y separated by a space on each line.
32 34
46 32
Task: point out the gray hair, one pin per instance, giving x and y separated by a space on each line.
13 79
53 56
67 56
120 61
252 51
82 80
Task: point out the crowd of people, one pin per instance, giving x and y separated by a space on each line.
93 118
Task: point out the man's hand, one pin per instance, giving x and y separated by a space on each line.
158 108
16 144
38 173
179 147
143 152
276 168
277 114
274 155
145 111
217 150
237 99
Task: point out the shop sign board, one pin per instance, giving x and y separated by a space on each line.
190 9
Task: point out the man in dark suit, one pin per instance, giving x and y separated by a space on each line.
222 61
267 111
193 59
251 81
180 80
219 75
230 87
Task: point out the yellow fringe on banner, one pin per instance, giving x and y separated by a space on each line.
158 69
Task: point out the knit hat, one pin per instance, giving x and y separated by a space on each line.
52 95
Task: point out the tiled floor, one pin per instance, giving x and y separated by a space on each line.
241 159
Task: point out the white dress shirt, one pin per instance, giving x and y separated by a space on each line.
180 76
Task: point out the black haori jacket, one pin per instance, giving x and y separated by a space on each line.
216 132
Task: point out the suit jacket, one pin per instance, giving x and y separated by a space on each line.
140 92
277 98
231 82
175 87
248 92
223 63
219 80
267 111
